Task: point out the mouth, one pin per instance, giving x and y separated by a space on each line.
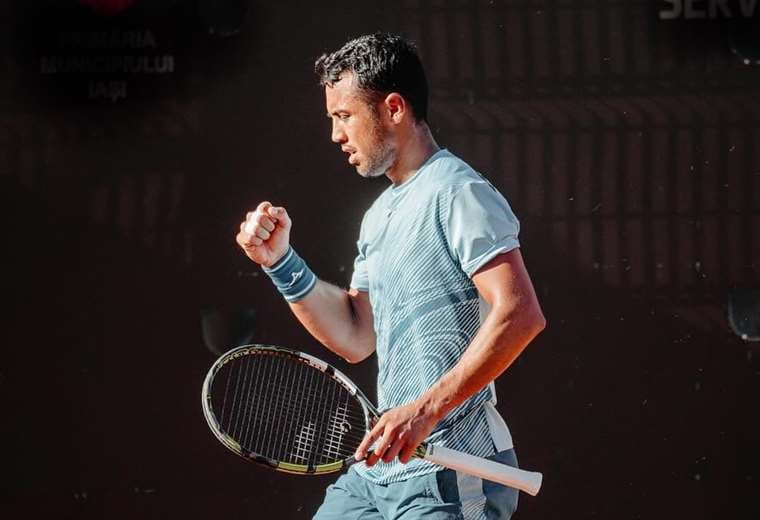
351 155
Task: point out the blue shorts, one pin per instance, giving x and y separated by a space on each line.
444 495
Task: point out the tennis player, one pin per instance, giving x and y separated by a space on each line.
439 292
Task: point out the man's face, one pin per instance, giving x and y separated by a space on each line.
358 128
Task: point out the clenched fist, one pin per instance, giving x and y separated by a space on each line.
265 234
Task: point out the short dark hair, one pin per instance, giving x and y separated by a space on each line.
382 63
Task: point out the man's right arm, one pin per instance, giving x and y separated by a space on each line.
341 320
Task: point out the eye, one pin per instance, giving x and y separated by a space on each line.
343 116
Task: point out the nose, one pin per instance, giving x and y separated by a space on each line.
338 135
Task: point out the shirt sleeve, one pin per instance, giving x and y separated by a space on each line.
360 277
481 225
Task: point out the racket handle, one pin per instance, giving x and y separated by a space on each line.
527 481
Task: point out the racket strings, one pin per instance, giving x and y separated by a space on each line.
279 407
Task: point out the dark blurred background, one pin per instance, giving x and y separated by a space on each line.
134 136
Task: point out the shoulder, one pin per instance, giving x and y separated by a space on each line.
449 174
448 167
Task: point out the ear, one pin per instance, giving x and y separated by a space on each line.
395 106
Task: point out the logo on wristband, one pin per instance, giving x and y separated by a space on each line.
296 276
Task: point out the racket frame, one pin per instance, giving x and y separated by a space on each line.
370 412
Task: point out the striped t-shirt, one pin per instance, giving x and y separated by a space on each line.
419 245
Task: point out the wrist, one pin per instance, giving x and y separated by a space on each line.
277 261
435 405
291 276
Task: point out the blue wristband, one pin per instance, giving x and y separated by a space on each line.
292 276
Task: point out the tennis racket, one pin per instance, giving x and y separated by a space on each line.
295 413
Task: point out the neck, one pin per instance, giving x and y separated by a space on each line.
412 152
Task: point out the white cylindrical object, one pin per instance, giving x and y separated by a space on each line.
527 481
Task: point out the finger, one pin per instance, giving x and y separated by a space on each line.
398 444
382 446
243 239
254 241
280 215
263 207
252 217
371 459
407 452
262 233
361 451
247 230
245 225
369 438
251 222
266 222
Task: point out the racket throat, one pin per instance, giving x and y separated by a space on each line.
423 450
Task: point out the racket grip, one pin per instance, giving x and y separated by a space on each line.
527 481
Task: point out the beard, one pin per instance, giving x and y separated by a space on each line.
379 161
382 157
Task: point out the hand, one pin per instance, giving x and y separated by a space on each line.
265 234
400 431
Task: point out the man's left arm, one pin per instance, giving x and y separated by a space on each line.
514 320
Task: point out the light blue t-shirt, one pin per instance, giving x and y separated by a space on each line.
419 245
